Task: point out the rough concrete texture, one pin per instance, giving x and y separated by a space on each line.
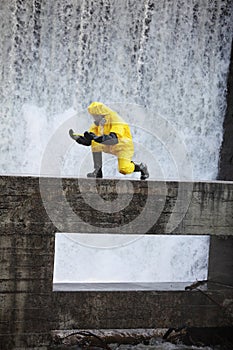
30 310
226 152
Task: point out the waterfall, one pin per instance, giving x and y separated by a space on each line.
170 57
161 63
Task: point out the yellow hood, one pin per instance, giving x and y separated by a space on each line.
98 108
114 123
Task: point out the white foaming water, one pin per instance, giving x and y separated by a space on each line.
116 261
171 57
159 63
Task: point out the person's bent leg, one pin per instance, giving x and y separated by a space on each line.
125 166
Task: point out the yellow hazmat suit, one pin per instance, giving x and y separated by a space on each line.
124 149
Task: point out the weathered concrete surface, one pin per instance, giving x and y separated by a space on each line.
221 260
226 152
152 207
29 309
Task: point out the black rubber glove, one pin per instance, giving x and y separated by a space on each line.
110 139
89 135
83 141
80 139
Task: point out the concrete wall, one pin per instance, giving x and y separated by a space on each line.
33 209
226 152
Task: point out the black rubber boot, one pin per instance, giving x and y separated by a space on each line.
97 159
143 169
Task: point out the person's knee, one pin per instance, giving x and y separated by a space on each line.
125 168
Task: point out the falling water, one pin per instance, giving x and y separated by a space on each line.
170 57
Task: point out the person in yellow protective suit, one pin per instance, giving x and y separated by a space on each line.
110 134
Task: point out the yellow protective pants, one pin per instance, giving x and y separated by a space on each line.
125 165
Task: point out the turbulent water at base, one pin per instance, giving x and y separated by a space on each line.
170 59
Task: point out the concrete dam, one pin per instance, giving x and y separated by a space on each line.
34 209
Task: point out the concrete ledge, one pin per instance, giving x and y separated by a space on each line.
78 287
112 206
